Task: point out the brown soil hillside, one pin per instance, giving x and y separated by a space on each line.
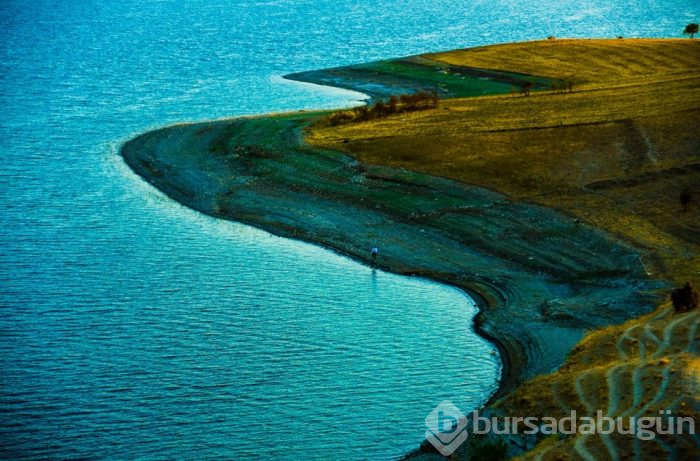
639 369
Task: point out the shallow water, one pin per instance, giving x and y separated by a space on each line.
134 327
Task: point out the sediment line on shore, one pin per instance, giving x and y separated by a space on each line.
522 263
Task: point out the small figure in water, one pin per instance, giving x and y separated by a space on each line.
375 252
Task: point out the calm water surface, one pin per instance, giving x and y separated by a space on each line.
132 327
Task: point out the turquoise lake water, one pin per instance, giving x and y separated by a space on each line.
132 327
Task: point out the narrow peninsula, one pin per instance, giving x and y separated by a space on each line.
543 178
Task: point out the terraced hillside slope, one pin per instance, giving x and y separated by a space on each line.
558 211
515 258
617 152
648 367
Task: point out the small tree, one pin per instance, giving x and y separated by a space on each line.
435 97
685 199
393 104
691 29
408 101
361 113
340 118
684 299
525 87
379 109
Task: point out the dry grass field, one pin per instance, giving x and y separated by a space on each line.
616 152
582 61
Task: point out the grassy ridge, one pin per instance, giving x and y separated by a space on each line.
616 154
582 61
511 256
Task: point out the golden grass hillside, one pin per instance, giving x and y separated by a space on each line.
581 60
616 152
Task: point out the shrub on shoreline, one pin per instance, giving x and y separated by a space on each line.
685 299
421 100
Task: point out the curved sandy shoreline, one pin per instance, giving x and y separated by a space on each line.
542 279
484 295
426 226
